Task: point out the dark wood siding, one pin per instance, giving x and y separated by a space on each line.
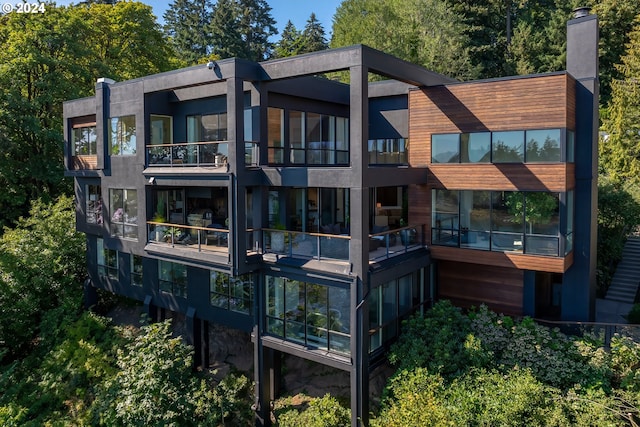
469 285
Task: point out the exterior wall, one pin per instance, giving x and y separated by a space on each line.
469 285
533 102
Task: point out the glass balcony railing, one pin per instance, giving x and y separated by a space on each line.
392 243
306 245
212 153
188 237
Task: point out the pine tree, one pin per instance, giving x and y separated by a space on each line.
313 36
620 152
241 28
256 26
186 23
290 43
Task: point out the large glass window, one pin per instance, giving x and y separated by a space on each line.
122 134
207 127
123 206
172 278
161 131
275 139
446 224
93 208
310 314
231 293
390 303
83 140
543 145
475 147
107 261
508 147
475 219
537 145
526 222
445 148
296 137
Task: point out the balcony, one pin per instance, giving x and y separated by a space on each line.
200 239
211 153
335 247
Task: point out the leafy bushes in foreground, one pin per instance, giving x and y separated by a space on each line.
487 369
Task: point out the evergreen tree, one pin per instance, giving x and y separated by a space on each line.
226 35
425 32
241 28
620 152
256 26
290 43
313 36
186 23
616 22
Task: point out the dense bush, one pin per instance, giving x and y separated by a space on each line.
507 373
634 314
322 412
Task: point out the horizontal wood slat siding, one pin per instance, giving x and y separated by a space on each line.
503 177
84 162
518 104
503 259
469 285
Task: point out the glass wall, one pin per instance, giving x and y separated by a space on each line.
528 222
392 302
310 314
312 138
531 146
136 270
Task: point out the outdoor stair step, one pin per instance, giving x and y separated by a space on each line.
621 292
631 291
622 300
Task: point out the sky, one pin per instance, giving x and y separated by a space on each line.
298 11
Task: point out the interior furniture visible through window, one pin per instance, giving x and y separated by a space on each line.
123 208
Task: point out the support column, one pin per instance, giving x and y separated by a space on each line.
359 245
579 282
90 295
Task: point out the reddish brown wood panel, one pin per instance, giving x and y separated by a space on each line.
500 177
420 206
469 285
517 104
503 259
84 162
571 103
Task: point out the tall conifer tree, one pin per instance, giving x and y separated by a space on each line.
186 23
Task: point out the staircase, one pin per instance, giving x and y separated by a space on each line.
626 279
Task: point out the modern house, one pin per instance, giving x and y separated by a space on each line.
272 198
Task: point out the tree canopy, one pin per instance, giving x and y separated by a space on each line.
46 59
186 24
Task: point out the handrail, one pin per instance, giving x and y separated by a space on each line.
339 236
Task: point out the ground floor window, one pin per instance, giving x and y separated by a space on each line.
231 293
311 314
172 278
393 301
136 270
107 261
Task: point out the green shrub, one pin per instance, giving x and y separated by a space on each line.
322 412
634 314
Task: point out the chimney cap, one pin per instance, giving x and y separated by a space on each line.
581 12
105 80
